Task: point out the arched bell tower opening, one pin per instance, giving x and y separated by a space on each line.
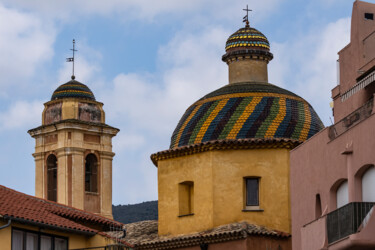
73 151
52 177
91 173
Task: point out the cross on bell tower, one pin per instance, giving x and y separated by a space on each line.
71 59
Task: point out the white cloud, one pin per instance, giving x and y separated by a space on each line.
191 68
307 64
25 42
22 114
141 9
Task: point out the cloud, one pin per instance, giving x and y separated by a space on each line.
307 64
25 43
21 114
191 67
140 9
147 107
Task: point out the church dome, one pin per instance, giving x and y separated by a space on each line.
247 40
245 111
73 89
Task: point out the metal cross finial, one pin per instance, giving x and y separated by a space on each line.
246 18
71 59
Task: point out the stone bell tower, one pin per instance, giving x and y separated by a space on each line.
73 150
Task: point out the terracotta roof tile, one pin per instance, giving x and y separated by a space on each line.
26 208
251 143
144 235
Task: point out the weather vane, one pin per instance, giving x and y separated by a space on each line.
246 18
71 59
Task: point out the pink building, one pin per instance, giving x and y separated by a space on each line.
333 173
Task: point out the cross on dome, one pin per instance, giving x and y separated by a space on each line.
246 18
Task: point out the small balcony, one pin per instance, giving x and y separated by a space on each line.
349 226
352 119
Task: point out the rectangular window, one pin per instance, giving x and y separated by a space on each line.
369 16
29 240
252 192
186 198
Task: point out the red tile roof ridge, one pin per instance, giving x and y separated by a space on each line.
144 234
25 212
106 234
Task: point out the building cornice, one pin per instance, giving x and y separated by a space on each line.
74 124
253 143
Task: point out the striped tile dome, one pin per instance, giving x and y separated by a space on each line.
247 42
247 110
247 38
73 89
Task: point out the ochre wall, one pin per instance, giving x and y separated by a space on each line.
246 70
74 240
71 143
196 168
219 193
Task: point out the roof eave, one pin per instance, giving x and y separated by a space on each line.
251 143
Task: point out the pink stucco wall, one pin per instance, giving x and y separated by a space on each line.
319 165
355 59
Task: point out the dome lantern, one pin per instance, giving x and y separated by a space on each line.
247 55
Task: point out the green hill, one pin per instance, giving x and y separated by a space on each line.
136 212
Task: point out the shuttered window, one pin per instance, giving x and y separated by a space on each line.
252 191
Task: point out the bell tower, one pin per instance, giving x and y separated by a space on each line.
73 150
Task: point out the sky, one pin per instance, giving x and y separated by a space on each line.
148 61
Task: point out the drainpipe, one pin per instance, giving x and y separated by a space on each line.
6 225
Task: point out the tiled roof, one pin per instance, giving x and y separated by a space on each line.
31 210
247 37
244 111
144 235
251 143
247 42
73 89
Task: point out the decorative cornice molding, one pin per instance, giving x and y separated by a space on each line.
236 144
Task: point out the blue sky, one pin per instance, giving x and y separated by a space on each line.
147 61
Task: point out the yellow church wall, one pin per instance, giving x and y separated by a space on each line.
69 109
229 169
171 172
78 173
106 185
39 174
219 189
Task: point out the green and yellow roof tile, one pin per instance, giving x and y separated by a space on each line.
244 111
73 89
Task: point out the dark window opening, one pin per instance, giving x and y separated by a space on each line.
30 240
318 206
252 191
369 16
52 178
91 174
